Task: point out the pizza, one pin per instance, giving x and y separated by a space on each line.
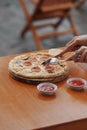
29 68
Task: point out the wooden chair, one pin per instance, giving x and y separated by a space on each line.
48 9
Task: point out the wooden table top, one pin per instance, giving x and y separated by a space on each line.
22 107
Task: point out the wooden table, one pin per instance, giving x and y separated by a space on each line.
22 107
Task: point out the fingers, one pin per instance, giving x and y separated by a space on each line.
82 54
81 50
77 42
70 42
74 44
79 55
70 46
83 57
67 49
64 51
72 57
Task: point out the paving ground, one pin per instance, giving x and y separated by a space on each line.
12 21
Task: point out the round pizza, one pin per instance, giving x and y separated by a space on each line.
29 68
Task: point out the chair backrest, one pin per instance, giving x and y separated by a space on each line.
47 2
51 5
54 2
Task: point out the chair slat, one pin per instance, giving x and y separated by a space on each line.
57 7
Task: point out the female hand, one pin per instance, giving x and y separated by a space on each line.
75 44
80 55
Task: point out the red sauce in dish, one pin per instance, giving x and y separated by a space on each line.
77 83
47 88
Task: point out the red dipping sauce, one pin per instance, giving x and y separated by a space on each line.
47 88
77 83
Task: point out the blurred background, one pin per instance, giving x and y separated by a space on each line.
12 21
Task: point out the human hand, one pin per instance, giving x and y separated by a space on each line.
75 44
80 55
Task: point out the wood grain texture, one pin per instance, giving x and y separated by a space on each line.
22 107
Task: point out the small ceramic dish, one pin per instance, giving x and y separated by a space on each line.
47 88
76 83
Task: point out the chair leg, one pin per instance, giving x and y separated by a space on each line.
36 37
75 32
24 30
59 22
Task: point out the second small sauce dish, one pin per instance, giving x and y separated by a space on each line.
77 83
